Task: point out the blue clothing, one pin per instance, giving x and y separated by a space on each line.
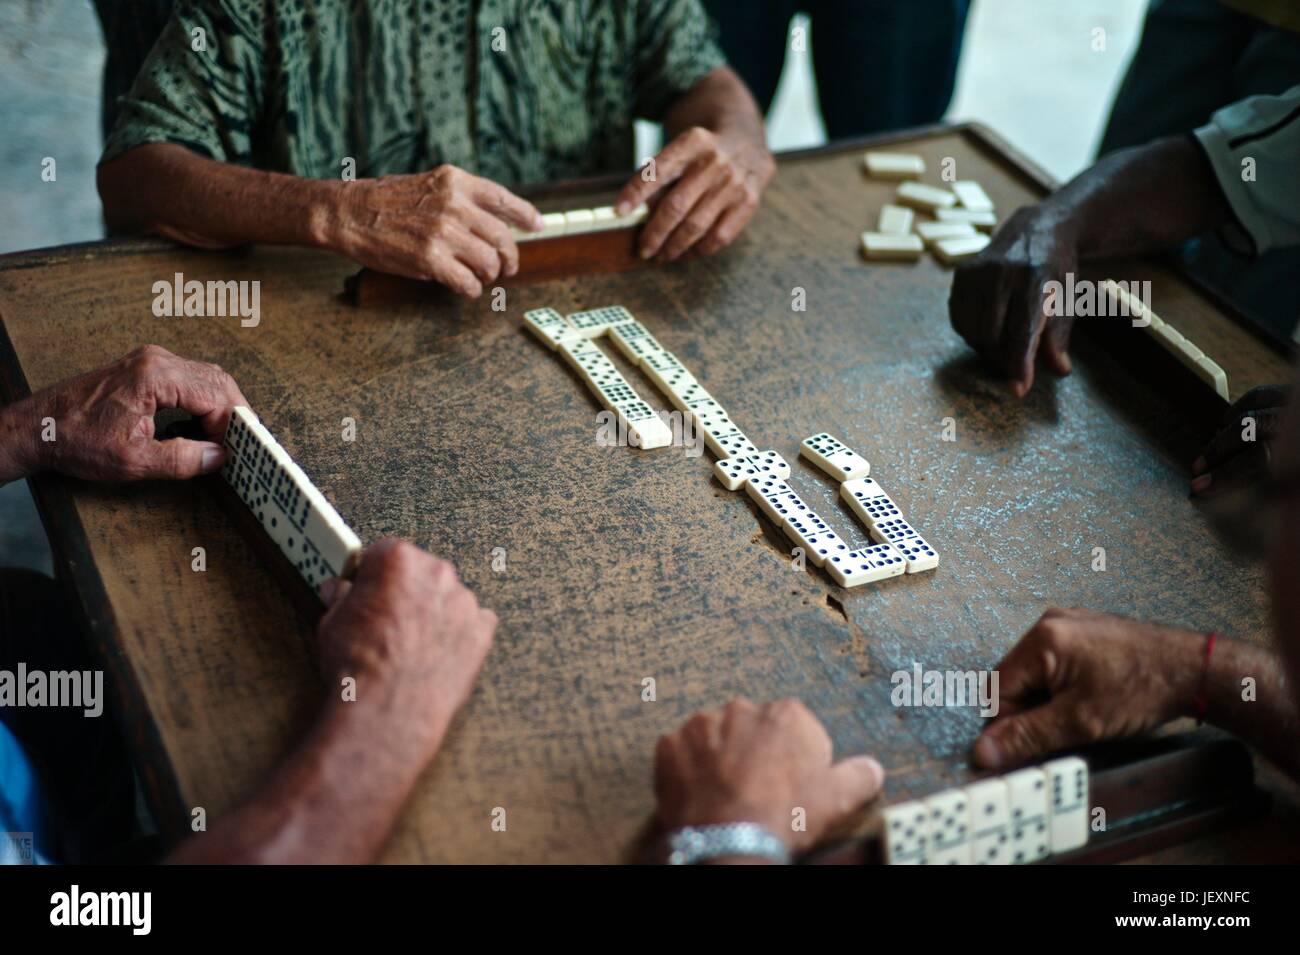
64 777
24 826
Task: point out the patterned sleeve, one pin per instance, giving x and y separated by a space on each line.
676 48
201 84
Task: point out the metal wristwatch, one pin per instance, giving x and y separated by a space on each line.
694 844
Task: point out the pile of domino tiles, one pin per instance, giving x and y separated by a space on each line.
960 216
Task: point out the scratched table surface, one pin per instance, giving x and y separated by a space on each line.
623 565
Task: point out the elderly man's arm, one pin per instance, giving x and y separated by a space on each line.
445 224
99 426
413 638
706 184
1079 677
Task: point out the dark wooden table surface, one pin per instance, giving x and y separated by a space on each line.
623 565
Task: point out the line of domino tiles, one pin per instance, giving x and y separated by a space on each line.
962 215
952 237
1015 819
1178 345
898 548
599 219
292 512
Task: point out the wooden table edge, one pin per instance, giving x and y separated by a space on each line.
75 566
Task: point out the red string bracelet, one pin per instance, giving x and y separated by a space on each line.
1203 704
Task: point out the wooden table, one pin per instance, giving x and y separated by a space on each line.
624 565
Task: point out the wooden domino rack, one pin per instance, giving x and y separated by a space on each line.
1157 792
608 243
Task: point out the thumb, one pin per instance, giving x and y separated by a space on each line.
333 590
854 782
1020 737
181 458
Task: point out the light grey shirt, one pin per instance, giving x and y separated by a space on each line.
1254 148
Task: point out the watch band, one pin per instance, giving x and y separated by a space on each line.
693 844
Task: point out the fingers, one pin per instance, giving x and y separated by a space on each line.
1021 334
1251 466
457 276
701 219
977 307
455 241
999 300
378 560
1240 453
638 189
1021 737
673 209
853 782
1029 668
670 164
738 710
203 390
703 731
494 232
1242 431
1056 343
791 721
728 227
335 591
178 459
504 204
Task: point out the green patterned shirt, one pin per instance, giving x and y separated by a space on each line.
515 90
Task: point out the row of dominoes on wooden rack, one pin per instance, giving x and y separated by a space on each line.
962 214
575 221
1015 819
764 475
290 510
1168 337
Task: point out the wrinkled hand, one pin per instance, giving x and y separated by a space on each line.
406 628
748 763
103 420
708 188
1079 677
1241 452
445 224
997 298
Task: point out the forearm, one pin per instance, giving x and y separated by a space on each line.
19 441
1138 200
335 799
171 191
1261 711
720 103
